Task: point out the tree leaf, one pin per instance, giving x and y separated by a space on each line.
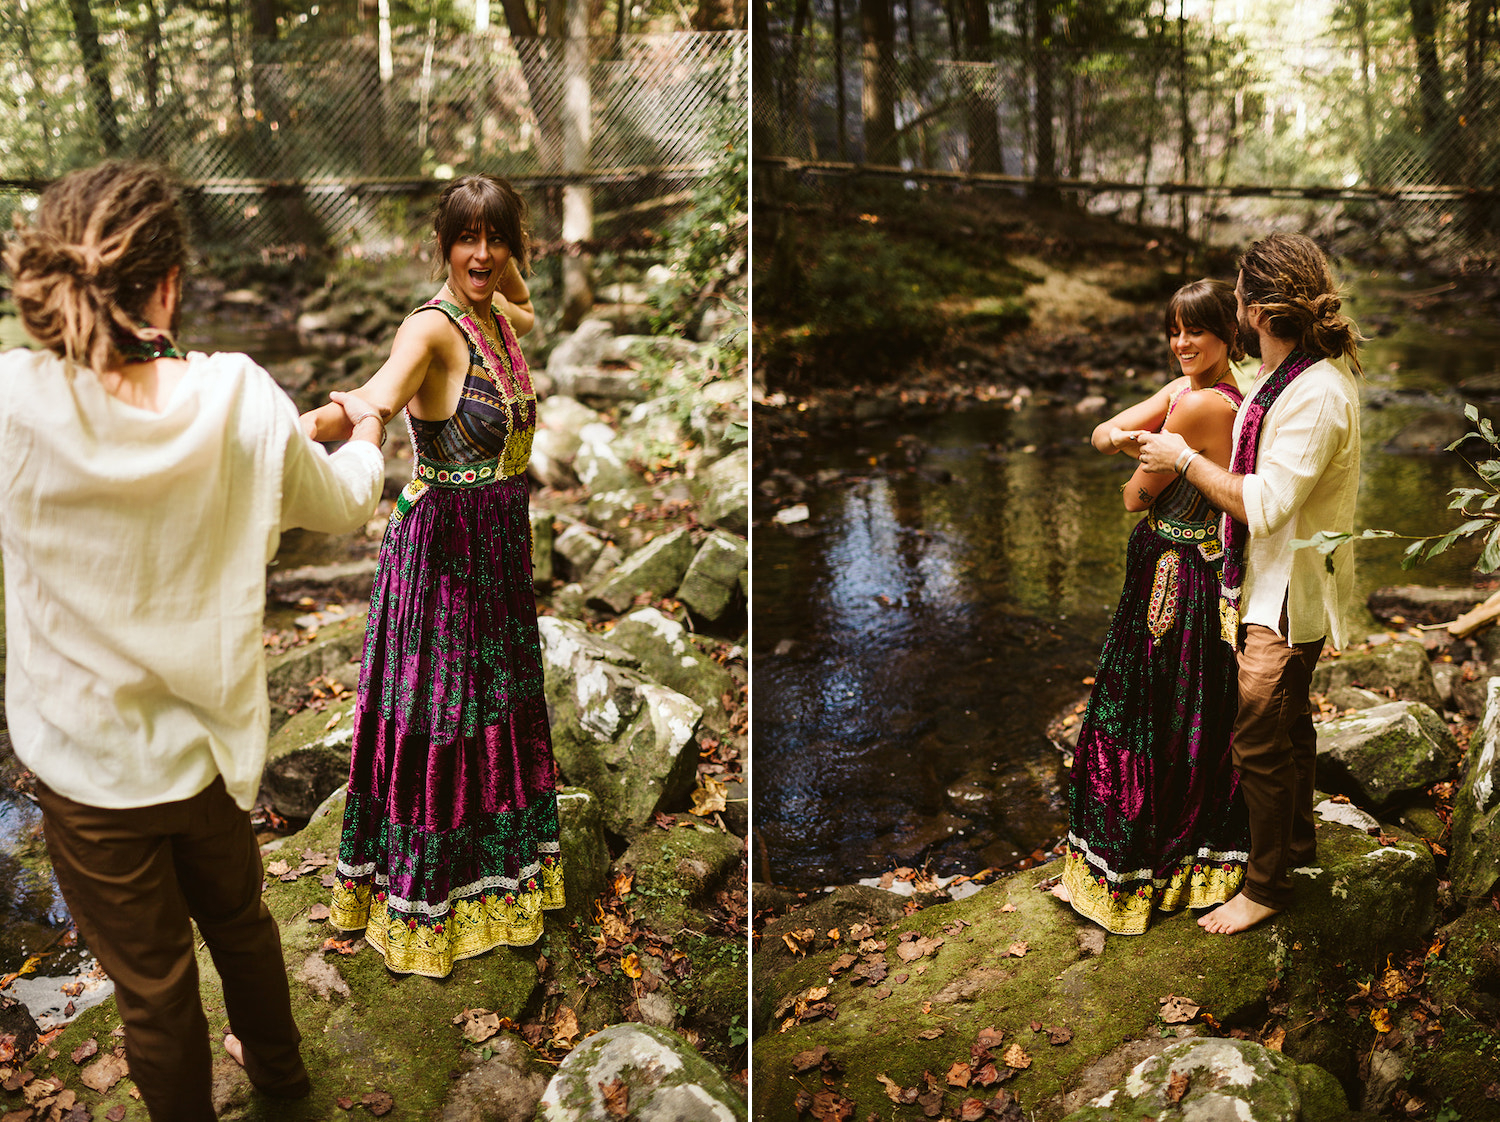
1471 411
1489 560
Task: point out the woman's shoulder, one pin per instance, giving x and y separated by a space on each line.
1207 406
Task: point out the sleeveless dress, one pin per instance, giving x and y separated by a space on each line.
450 837
1156 817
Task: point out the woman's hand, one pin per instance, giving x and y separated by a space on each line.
1127 440
358 410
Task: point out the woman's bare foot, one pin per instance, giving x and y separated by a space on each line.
235 1049
1239 914
1060 890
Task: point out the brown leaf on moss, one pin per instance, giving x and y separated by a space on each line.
631 964
972 1111
1016 1057
1018 949
895 1092
958 1074
813 1057
103 1073
318 913
830 1106
88 1048
842 963
380 1103
115 1113
1275 1039
1177 1010
1059 1034
1177 1086
564 1027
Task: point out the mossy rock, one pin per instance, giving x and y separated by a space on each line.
1360 903
336 644
667 1080
1466 975
1460 1073
677 872
1401 666
1475 845
308 758
1382 755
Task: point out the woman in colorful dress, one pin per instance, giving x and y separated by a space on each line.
450 838
1156 820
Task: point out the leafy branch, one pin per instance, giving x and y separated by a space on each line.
1475 504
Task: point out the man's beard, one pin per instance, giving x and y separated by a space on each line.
1249 338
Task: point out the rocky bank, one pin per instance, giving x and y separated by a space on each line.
639 516
1375 995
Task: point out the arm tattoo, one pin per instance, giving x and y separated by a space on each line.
1145 496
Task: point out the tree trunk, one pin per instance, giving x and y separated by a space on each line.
1046 139
37 95
1360 10
577 135
982 114
1185 138
539 68
878 102
96 70
838 78
1434 103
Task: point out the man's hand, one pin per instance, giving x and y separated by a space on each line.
1159 451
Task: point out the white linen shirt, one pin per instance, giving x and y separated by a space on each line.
135 547
1306 479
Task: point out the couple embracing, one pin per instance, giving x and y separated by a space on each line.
1192 782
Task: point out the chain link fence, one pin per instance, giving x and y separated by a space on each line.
1209 140
317 141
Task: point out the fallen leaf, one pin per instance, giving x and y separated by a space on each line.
1276 1039
930 1034
318 913
798 942
1177 1010
343 946
1177 1085
1019 949
344 1102
1059 1034
830 1106
1381 1019
276 868
894 1091
842 963
1091 941
616 1098
958 1074
565 1027
18 1079
631 964
624 882
1009 908
88 1048
709 798
931 1103
480 1026
987 1075
380 1102
103 1073
329 880
972 1111
813 1057
988 1038
1015 1057
72 989
115 1113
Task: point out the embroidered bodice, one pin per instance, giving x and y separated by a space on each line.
496 414
1181 513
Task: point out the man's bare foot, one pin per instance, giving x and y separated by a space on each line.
1060 890
1239 914
235 1049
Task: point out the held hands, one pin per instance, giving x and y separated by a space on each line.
1160 450
358 410
1126 440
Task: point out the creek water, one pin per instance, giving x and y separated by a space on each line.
947 597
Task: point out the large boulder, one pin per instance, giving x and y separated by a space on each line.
599 464
668 654
1402 666
723 492
654 571
329 654
713 576
1382 755
662 1079
345 580
1474 850
1009 956
578 547
1229 1079
626 738
308 758
585 852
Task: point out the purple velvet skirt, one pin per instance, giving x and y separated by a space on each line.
450 837
1156 818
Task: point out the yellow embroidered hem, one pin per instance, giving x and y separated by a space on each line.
472 926
1194 883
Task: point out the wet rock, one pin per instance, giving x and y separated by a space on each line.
308 758
1474 852
504 1088
713 575
1383 754
599 465
677 872
723 493
345 580
653 571
666 1080
614 732
1227 1079
16 1021
1401 666
667 653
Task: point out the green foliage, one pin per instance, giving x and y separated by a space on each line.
1477 504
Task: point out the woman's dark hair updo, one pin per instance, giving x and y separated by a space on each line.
486 202
1287 277
102 240
1209 305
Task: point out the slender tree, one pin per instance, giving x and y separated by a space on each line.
96 72
1046 137
878 101
981 112
1433 96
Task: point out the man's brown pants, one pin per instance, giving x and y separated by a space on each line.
1275 749
132 878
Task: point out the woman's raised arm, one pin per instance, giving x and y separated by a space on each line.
1148 415
418 344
